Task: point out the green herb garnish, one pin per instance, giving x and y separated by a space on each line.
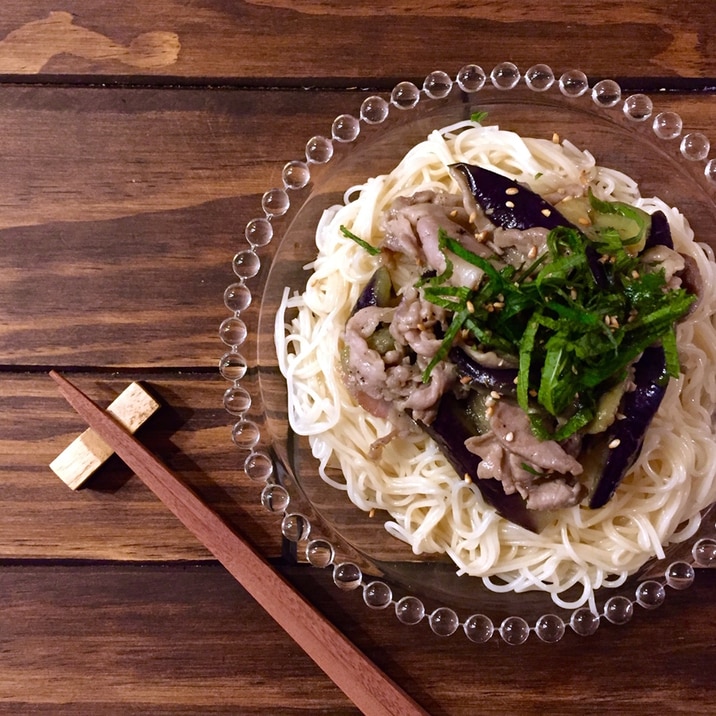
478 117
372 250
572 339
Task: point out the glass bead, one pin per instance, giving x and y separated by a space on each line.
275 202
638 107
259 232
232 366
245 434
710 171
505 76
296 175
233 331
606 93
471 78
409 610
374 110
618 610
584 622
573 83
667 125
405 95
650 594
437 85
246 264
275 498
539 78
704 552
377 595
295 527
347 576
679 575
237 297
695 146
514 630
258 466
550 628
479 628
345 128
320 553
236 400
444 621
319 150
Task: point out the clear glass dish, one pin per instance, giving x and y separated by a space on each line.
327 531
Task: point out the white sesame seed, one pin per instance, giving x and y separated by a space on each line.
614 443
510 204
468 479
532 253
546 212
372 512
583 221
470 307
495 395
511 191
555 138
489 402
472 218
509 437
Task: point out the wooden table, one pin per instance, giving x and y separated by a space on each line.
136 140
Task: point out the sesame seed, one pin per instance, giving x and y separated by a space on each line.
511 191
372 512
453 213
489 212
510 204
635 274
584 221
532 253
470 306
482 235
489 410
489 402
497 305
555 138
509 437
615 443
516 380
495 395
573 294
465 379
546 212
472 218
607 320
420 326
468 479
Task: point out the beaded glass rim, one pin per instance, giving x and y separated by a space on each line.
259 466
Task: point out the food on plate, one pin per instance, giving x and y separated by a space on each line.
507 348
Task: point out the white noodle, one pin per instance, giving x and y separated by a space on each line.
432 509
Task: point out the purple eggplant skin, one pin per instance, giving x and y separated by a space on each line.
450 428
377 292
500 379
638 407
508 203
659 232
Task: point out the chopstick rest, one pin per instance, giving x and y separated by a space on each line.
81 458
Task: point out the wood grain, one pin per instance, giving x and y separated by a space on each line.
317 42
180 640
114 516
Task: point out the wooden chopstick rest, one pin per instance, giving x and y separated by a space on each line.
76 463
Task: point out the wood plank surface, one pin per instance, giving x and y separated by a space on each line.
319 42
114 516
186 639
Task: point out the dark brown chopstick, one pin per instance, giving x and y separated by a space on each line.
365 685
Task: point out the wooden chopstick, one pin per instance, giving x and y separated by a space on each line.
359 678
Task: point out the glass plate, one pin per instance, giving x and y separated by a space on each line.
323 527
